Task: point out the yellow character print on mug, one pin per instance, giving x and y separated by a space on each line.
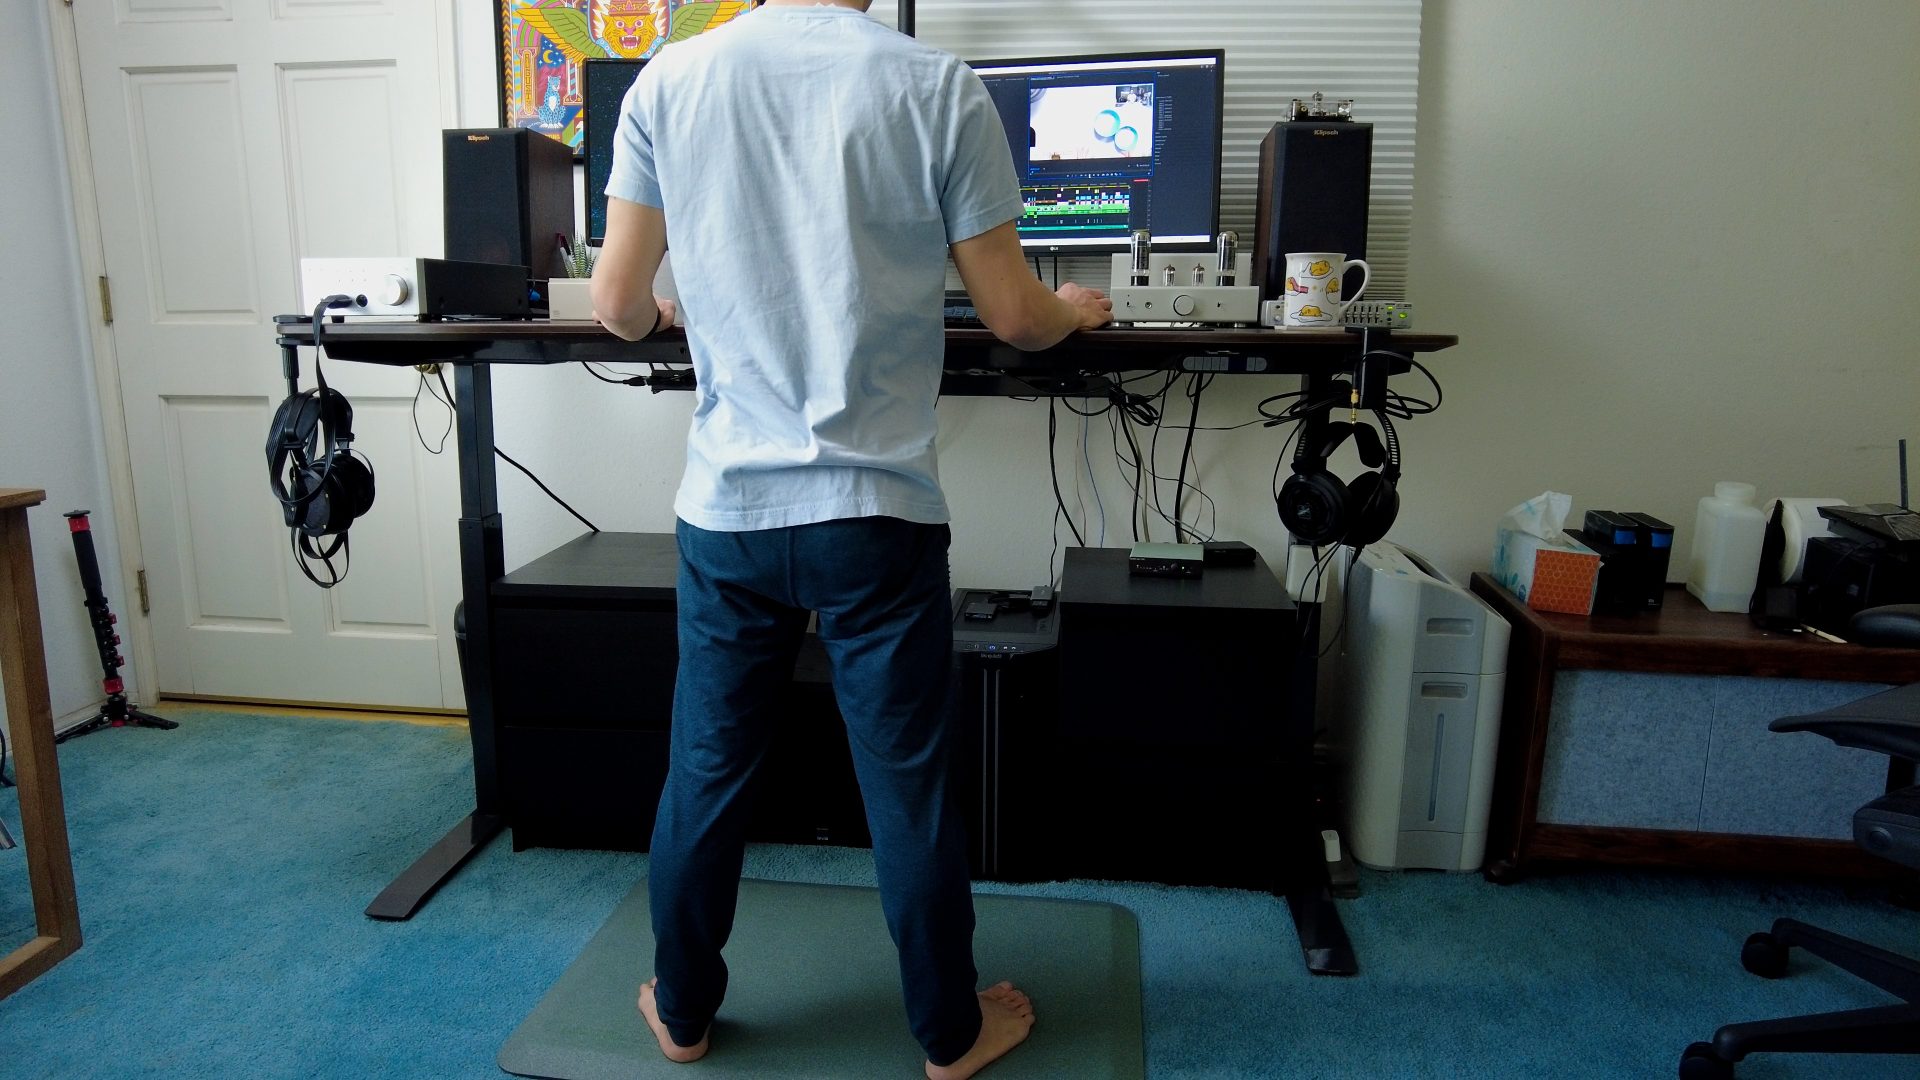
1320 268
1333 287
1308 311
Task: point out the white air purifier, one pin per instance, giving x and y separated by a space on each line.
1414 712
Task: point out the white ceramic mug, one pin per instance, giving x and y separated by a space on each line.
1313 286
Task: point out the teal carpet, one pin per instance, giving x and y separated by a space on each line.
222 870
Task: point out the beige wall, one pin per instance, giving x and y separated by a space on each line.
1660 230
1652 226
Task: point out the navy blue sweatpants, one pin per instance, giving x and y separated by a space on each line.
880 587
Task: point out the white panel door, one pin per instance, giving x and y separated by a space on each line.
229 139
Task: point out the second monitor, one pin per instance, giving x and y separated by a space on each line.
1107 145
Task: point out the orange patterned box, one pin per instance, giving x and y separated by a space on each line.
1550 575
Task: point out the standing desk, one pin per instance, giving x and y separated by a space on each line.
975 362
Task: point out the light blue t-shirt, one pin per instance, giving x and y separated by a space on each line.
813 166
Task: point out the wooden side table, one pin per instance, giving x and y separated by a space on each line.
1681 638
43 816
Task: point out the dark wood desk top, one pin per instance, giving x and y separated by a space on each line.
16 498
1682 637
538 341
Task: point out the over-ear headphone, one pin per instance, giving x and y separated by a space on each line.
1317 508
320 494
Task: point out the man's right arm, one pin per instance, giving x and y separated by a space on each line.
1013 303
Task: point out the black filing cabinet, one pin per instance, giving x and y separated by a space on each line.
1185 723
584 661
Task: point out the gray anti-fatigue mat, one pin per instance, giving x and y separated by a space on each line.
815 992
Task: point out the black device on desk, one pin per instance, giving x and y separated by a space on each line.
1872 559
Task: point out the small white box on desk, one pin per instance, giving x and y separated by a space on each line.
570 300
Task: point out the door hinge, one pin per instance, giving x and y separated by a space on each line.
106 301
140 577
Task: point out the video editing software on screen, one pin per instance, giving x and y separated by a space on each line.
1108 145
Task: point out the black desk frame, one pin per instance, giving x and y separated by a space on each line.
976 362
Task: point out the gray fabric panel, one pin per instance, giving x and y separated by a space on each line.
815 992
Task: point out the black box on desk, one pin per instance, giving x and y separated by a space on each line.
1005 758
1620 588
1180 756
1844 574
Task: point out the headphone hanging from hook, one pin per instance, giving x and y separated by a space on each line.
322 484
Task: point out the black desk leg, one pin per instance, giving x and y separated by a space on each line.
421 880
482 560
1307 888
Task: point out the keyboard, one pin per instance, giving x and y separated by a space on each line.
960 312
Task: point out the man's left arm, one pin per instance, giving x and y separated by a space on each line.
635 244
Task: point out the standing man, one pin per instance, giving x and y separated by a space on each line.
813 169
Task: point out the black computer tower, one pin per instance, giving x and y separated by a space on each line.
1185 724
1312 194
509 198
1007 671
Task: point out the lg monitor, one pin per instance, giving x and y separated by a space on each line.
606 83
1107 145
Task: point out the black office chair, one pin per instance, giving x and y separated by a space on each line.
1889 827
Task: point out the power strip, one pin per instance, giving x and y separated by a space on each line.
1392 314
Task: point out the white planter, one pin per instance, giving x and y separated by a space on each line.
570 300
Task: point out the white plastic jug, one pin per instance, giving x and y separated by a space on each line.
1725 563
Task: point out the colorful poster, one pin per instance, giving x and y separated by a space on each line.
542 43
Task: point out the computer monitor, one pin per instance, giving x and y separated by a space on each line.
1106 145
606 83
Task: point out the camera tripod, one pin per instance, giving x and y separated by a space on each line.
117 711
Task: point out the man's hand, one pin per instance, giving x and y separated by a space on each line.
1011 300
1094 308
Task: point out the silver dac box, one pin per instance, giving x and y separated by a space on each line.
389 287
1185 289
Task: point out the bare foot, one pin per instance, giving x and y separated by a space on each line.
673 1050
1006 1016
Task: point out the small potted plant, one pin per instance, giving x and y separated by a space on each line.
570 299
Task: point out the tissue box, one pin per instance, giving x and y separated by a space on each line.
1549 575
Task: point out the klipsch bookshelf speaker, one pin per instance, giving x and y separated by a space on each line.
1311 195
509 198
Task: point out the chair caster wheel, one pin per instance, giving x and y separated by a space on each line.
1764 955
1700 1062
